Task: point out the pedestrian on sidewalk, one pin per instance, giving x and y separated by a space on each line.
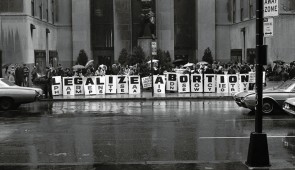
48 77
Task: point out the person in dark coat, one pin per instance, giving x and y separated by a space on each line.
48 89
19 75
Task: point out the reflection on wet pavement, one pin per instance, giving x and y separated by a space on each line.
126 132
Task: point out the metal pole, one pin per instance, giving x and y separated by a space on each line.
259 66
152 72
258 155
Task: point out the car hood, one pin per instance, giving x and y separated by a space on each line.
290 101
243 94
25 88
265 91
273 90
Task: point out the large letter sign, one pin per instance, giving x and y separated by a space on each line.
56 86
68 88
89 85
78 85
209 83
111 84
122 86
134 85
222 84
100 84
233 84
244 82
197 83
159 84
183 83
171 84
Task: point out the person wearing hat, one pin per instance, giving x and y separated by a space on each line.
48 85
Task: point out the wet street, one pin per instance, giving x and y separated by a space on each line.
138 135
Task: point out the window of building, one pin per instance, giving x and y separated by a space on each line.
251 10
242 10
41 11
52 11
52 17
33 7
47 17
234 11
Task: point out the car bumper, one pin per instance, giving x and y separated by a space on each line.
250 104
240 102
290 109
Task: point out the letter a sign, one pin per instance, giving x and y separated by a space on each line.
271 8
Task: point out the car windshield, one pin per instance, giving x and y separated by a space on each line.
5 83
286 85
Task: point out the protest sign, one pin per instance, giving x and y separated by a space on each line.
197 83
78 85
68 86
56 86
183 83
171 84
222 83
111 84
146 82
89 85
159 84
100 84
209 83
122 86
134 85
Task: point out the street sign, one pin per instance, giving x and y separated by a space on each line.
268 27
271 8
154 48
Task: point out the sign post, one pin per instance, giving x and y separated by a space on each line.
258 148
154 53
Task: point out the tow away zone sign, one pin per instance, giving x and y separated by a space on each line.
271 8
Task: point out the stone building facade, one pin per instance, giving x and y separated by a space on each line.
54 31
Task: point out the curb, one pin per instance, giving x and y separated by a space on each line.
142 98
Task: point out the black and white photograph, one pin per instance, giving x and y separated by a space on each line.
147 85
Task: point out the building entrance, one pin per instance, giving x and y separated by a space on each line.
40 61
236 55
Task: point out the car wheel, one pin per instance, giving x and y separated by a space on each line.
6 104
268 106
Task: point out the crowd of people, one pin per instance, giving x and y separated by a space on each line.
19 74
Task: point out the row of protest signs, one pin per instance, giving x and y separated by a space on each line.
182 83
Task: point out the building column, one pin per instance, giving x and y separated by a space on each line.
165 25
122 27
81 28
205 27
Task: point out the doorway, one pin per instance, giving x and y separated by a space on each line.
236 55
40 61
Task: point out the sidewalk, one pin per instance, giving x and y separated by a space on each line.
147 95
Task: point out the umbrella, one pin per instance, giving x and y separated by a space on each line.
279 62
154 61
202 63
189 65
89 63
178 61
103 66
76 67
6 65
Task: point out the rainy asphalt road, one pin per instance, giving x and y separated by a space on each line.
138 135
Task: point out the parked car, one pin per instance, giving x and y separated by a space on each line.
273 98
289 106
12 96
